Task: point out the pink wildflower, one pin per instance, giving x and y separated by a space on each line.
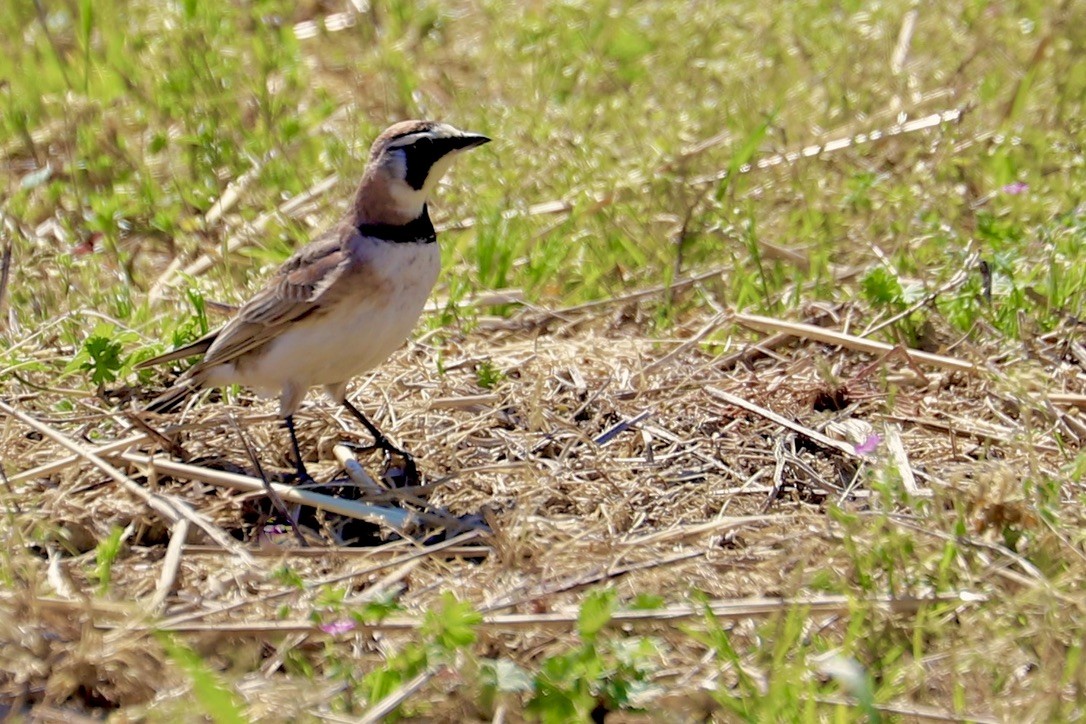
337 627
868 446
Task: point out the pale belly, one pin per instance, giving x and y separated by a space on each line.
347 340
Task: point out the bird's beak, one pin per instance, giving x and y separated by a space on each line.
468 140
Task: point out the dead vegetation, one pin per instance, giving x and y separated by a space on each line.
597 457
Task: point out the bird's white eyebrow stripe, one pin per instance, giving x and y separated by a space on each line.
410 135
409 138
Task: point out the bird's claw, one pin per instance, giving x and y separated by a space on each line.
408 474
397 476
359 448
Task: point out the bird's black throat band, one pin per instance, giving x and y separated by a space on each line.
418 231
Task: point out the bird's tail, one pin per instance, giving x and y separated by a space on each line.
174 396
188 383
198 347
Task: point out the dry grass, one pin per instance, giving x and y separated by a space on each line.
697 495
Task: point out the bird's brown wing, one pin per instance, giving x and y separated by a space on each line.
302 286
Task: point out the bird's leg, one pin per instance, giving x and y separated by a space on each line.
303 474
410 470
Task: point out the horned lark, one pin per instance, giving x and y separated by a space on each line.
347 300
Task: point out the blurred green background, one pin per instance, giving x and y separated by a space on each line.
123 122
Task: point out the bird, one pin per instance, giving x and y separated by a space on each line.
344 302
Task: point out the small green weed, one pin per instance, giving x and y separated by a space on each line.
214 698
446 630
105 555
601 674
487 375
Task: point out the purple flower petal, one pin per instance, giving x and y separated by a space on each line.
1015 188
337 627
868 446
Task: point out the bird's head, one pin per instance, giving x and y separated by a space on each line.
405 164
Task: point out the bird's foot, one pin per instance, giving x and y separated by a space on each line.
302 477
404 475
408 475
